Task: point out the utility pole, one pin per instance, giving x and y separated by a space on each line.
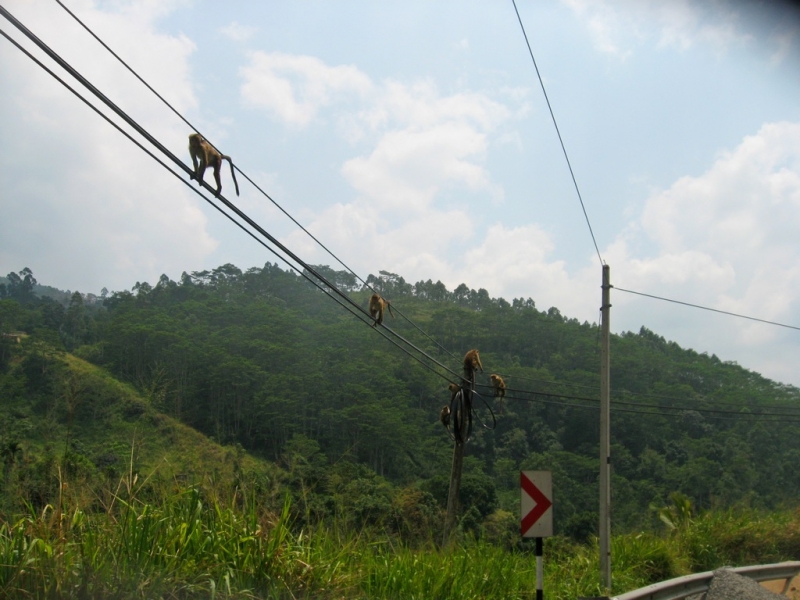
605 432
460 420
455 487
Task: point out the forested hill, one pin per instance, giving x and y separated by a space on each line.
265 360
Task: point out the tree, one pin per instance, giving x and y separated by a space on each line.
75 322
20 287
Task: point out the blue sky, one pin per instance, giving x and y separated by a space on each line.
414 137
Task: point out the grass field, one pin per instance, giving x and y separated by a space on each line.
173 542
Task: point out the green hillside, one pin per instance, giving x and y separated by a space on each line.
67 422
265 362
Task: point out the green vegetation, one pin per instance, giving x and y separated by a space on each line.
239 434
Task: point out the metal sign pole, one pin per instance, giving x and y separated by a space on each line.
539 570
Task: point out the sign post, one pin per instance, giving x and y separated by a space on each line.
536 515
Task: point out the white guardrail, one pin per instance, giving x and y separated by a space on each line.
681 587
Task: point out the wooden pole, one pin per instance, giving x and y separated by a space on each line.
461 420
455 487
605 433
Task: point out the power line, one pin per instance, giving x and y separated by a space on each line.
657 410
780 417
624 392
723 312
253 224
254 184
198 192
555 124
165 151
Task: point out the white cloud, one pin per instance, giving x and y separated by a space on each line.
408 167
295 88
238 32
423 149
100 203
617 26
726 240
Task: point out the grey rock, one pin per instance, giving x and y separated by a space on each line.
727 585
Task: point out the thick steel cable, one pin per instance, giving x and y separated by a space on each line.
67 67
198 192
157 144
163 164
253 183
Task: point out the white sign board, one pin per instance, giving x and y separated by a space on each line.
536 504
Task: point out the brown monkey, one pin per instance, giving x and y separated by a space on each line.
376 307
204 155
472 361
454 389
444 416
499 386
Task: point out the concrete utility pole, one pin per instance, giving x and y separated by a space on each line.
605 432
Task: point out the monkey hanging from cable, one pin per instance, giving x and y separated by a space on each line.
204 155
377 306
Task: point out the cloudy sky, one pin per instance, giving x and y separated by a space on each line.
414 137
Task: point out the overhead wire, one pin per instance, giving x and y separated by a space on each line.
163 164
735 415
624 392
299 261
74 73
253 183
558 132
322 288
716 310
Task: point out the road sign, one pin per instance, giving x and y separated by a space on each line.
536 503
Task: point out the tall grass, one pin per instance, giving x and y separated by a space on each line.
194 542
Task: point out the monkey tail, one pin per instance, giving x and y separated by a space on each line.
389 306
233 174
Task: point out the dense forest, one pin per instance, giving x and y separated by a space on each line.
265 363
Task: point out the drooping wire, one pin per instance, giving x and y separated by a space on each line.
544 398
555 124
163 164
165 151
664 410
716 310
253 183
624 392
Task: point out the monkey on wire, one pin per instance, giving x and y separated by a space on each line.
204 155
377 306
499 386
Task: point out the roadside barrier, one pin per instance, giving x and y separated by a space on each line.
682 587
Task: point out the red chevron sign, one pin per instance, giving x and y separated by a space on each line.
535 503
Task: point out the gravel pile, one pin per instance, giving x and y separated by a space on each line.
727 585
